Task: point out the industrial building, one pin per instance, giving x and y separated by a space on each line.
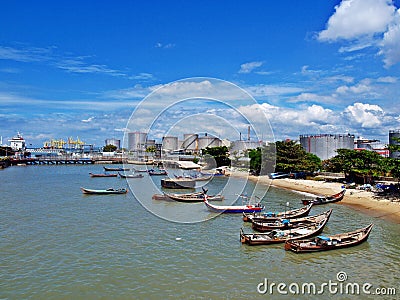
371 145
394 139
114 142
325 146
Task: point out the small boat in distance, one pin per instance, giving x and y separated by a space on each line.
115 169
324 200
249 208
153 172
271 216
178 183
103 192
324 243
103 175
130 175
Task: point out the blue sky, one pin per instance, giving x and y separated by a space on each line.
80 68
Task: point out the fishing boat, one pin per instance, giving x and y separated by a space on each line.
249 208
286 223
325 200
178 183
193 197
130 175
103 175
153 172
115 169
281 236
271 216
324 243
140 170
103 192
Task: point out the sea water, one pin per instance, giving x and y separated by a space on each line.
56 243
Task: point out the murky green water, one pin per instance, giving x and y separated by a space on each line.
56 243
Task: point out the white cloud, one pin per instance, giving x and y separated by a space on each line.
366 23
88 120
387 79
367 115
362 87
355 18
142 76
250 66
164 46
390 45
311 97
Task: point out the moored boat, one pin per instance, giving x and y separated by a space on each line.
249 208
153 172
115 169
103 175
271 216
324 243
325 200
193 197
104 192
130 175
281 236
178 183
263 226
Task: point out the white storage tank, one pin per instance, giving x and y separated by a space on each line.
137 141
325 145
169 143
190 141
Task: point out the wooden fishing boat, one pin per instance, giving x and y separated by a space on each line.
103 175
286 223
324 200
157 173
324 243
178 183
281 236
104 192
271 216
193 197
115 169
233 208
130 175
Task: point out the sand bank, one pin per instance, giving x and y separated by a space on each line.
357 199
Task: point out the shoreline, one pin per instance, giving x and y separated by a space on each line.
359 200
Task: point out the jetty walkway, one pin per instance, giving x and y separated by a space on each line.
64 161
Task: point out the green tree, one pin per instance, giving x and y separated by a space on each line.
291 156
218 154
109 148
357 165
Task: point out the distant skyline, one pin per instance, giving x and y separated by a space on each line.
81 68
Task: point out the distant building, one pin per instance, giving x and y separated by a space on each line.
137 141
394 136
325 146
371 145
114 142
17 143
240 146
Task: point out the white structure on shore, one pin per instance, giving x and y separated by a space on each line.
17 143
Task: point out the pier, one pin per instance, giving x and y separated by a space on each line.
64 161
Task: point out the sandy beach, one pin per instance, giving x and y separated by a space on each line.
357 199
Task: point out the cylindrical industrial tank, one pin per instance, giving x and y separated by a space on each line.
393 135
170 143
325 145
190 141
137 141
208 141
114 142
